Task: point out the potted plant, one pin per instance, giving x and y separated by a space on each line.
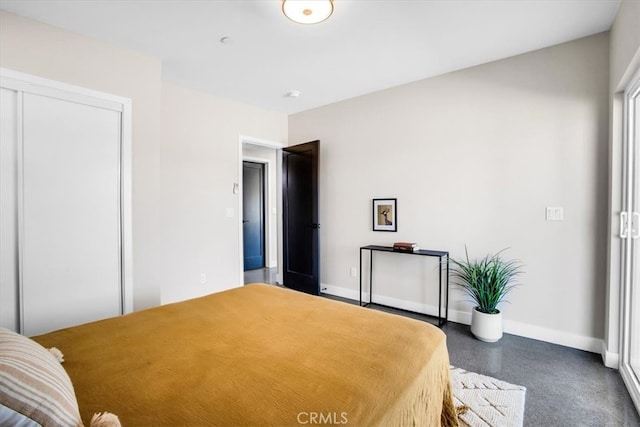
487 281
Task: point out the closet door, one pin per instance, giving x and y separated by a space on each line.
8 209
71 214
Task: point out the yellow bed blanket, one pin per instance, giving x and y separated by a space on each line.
259 355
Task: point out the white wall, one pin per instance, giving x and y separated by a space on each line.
625 42
45 51
185 156
624 62
199 165
450 125
474 157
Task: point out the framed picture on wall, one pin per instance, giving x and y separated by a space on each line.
385 215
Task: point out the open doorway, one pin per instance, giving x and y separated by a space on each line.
253 214
263 159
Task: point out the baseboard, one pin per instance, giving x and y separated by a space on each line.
339 292
609 358
593 345
580 342
430 310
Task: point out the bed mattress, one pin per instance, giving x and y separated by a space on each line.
259 355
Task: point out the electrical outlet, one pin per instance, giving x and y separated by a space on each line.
203 278
354 272
554 214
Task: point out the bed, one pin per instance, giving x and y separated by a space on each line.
259 355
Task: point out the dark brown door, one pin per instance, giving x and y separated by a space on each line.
301 234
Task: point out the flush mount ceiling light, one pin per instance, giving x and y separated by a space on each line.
307 11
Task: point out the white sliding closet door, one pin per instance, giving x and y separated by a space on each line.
71 213
65 204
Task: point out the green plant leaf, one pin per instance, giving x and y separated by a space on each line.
486 281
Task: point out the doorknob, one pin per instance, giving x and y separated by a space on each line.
245 220
315 226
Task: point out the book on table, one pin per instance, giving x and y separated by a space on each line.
406 247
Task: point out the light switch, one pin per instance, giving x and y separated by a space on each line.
554 213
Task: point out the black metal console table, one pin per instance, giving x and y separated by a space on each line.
443 257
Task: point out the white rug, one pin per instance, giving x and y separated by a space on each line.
490 402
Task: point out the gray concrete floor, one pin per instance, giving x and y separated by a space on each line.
565 387
260 275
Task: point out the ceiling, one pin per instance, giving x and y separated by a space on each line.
365 46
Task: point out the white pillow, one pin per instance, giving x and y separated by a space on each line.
34 384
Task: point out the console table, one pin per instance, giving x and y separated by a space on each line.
443 257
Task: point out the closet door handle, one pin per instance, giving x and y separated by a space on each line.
624 225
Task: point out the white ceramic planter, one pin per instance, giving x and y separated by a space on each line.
486 327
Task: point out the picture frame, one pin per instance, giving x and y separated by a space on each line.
385 214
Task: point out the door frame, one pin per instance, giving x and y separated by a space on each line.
629 231
28 83
238 188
